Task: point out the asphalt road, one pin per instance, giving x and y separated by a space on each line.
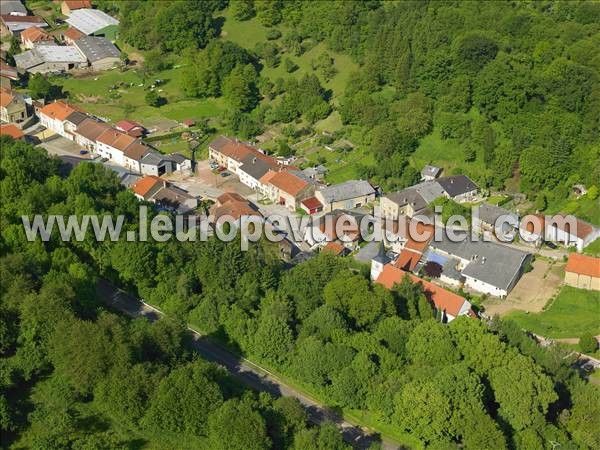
240 368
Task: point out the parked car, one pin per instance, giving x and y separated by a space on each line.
225 174
83 152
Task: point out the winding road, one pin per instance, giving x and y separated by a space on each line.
243 370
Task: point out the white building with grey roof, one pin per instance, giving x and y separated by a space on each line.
348 195
50 59
487 267
99 51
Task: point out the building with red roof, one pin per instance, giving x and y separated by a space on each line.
68 6
71 34
11 130
130 127
147 186
286 189
583 272
311 205
35 36
451 305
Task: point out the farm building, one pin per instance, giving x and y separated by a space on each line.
94 22
100 52
50 58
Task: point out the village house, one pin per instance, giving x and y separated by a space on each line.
157 164
430 173
112 144
336 226
68 6
579 234
175 200
100 53
12 107
487 267
286 189
133 154
70 35
335 248
12 8
348 195
50 58
71 123
131 127
53 116
253 168
32 36
180 162
145 188
15 24
485 217
231 153
93 22
448 304
87 133
459 188
233 205
583 272
11 130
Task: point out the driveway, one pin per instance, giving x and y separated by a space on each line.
64 147
206 183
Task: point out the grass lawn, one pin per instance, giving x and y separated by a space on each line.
572 313
93 93
593 249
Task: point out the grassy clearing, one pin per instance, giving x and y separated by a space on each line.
572 313
97 94
593 249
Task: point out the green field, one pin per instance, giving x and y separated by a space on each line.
572 313
593 249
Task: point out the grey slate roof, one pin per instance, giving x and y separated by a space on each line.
408 196
349 189
490 262
76 117
129 178
429 190
457 184
153 158
431 171
490 213
178 158
254 166
368 252
9 7
95 48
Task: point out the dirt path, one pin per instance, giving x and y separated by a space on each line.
532 292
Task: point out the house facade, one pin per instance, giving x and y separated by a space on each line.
12 107
348 195
112 144
583 272
286 189
53 116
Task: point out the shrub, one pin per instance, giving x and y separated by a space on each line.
588 343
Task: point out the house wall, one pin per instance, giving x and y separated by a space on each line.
52 124
218 157
114 154
16 112
467 196
351 203
132 164
48 67
106 63
484 288
85 143
249 180
582 281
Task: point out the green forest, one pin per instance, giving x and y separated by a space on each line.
77 376
507 92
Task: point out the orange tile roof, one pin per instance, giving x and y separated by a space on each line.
6 97
73 34
78 4
238 150
443 299
334 247
35 34
350 226
230 197
312 203
288 183
143 186
266 178
235 209
116 139
407 260
583 265
10 130
57 110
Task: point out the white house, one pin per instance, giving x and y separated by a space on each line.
112 143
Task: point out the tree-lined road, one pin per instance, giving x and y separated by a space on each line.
240 368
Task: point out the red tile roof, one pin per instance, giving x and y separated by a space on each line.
288 183
35 34
334 247
116 139
73 34
127 125
6 97
235 209
136 150
7 18
57 110
230 197
78 4
10 130
443 299
407 260
143 186
583 265
312 203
